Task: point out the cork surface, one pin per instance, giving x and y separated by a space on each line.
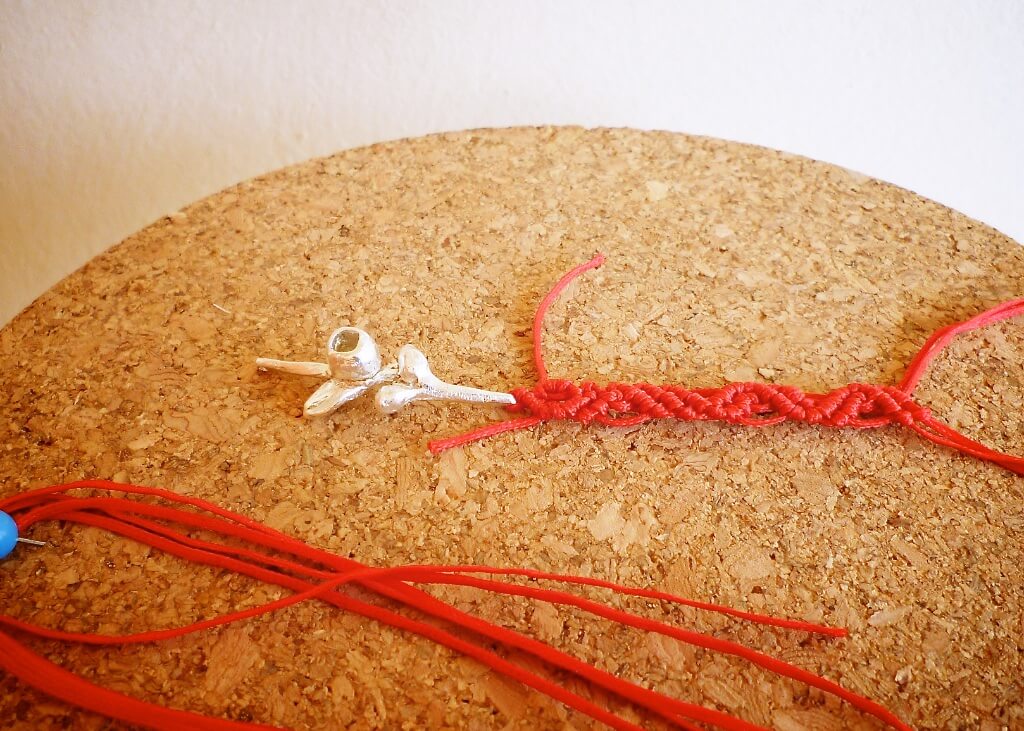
725 262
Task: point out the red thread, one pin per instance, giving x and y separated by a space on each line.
855 405
315 574
542 308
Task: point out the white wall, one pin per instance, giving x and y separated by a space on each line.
114 113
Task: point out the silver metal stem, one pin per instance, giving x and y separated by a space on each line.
298 369
418 383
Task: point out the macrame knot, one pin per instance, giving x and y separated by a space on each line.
865 406
856 405
553 399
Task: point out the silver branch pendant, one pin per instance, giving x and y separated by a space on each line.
354 366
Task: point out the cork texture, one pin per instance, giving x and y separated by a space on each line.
725 262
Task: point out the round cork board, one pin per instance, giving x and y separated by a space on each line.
725 262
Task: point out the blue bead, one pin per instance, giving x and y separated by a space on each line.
8 534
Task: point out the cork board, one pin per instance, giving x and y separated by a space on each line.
725 262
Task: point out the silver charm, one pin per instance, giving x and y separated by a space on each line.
354 366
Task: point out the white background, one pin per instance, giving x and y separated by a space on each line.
115 113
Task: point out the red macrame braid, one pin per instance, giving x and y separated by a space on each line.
855 405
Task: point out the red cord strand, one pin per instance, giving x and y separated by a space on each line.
148 637
944 336
40 673
542 309
318 575
660 705
222 526
855 405
413 572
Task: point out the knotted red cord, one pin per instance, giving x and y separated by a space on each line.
311 573
855 405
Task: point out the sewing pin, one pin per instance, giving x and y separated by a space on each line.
9 535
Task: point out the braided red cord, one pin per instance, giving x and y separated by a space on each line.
315 574
855 405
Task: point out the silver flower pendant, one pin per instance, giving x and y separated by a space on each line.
354 366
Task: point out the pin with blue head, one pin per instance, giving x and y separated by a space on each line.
9 535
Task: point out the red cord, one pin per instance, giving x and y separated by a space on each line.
310 573
542 308
855 405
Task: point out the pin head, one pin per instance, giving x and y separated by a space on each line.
8 534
